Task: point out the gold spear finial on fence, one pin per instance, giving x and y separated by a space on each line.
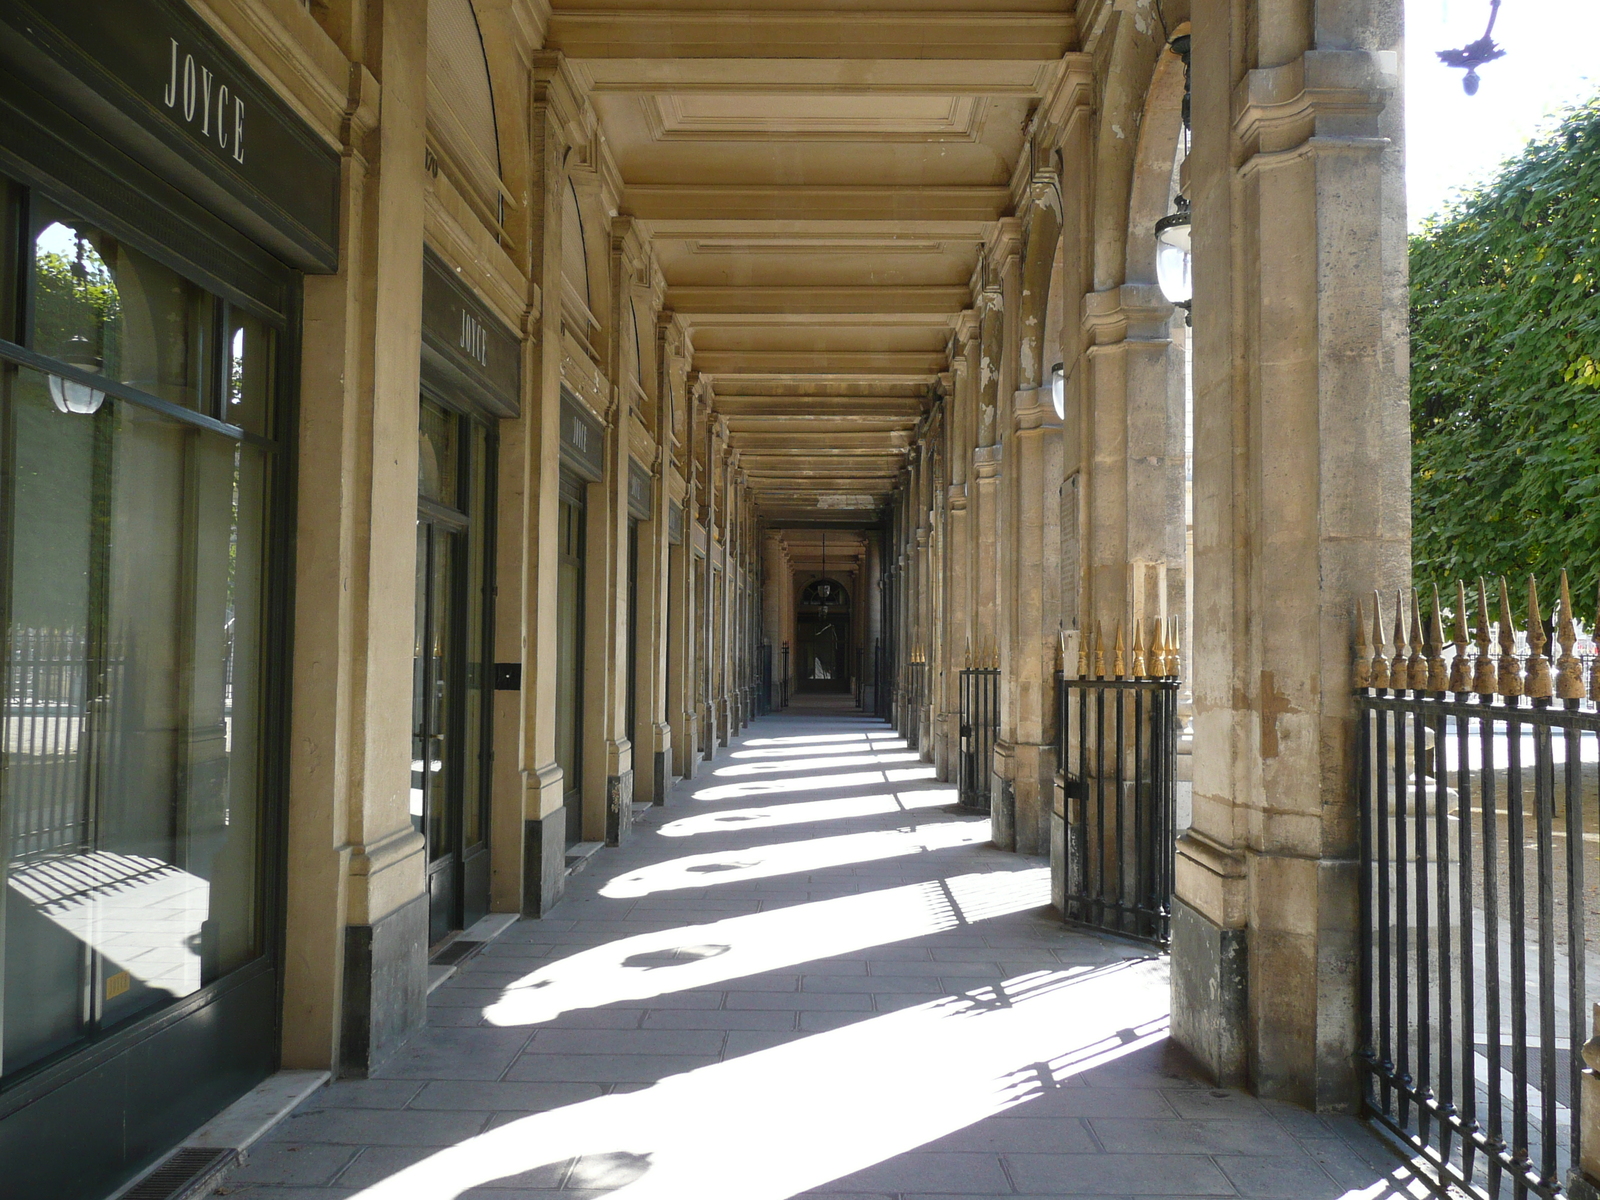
1509 682
1175 649
1379 675
1538 684
1484 678
1460 668
1140 666
1158 648
1099 651
1569 671
1083 654
1438 678
1361 669
1417 675
1400 665
1119 665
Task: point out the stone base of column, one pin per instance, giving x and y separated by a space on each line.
385 987
544 862
659 797
1210 974
619 807
1581 1187
1002 813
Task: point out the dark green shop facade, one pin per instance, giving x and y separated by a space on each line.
159 208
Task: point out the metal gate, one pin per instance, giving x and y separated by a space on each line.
980 723
1118 745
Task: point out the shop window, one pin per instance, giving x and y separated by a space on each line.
132 591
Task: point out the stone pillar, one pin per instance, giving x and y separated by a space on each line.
1005 252
1584 1181
1032 575
1301 496
707 740
355 968
777 585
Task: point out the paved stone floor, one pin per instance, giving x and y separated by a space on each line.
804 975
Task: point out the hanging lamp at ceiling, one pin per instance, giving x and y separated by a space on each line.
1474 54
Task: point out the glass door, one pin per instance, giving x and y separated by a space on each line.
569 654
449 732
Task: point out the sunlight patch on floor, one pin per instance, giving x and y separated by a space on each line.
814 783
775 752
817 764
806 812
777 1122
697 956
794 858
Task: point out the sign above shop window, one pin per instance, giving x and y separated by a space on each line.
464 345
582 439
640 492
155 80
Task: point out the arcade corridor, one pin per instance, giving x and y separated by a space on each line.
806 975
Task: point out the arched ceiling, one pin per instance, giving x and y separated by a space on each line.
818 182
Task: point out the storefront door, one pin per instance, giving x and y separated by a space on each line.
569 653
450 677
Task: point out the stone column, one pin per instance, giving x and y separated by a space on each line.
1032 575
1584 1181
707 740
777 583
1301 496
355 969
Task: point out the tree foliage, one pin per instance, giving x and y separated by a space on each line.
1505 373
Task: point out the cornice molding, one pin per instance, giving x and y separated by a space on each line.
1334 94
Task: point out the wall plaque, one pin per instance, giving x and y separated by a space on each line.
675 523
640 490
465 347
582 439
155 80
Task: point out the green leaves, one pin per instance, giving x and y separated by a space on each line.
1505 371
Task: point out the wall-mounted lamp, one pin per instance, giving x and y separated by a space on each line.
1058 389
1174 263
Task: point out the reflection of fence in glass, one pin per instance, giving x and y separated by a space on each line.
47 723
1478 788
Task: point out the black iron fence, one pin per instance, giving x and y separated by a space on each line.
1477 790
882 675
764 680
786 679
915 693
980 725
1117 751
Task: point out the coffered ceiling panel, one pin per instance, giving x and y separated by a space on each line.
817 182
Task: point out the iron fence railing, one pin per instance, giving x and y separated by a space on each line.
1476 955
56 709
979 726
1477 790
1117 751
763 687
915 691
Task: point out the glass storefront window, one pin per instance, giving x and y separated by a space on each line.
132 589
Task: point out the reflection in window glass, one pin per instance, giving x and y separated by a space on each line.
437 454
247 381
105 308
132 717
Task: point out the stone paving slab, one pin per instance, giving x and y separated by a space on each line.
941 1037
